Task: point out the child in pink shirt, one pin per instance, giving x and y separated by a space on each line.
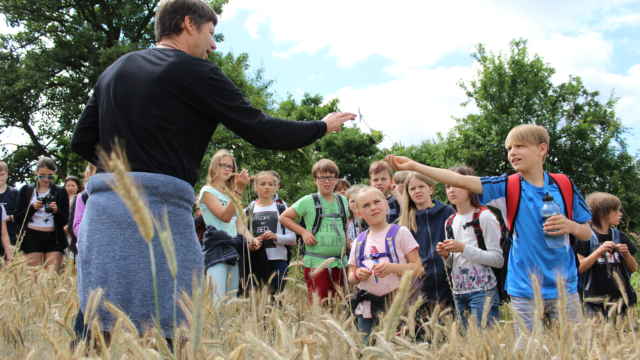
378 258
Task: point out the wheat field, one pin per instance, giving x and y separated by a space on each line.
38 309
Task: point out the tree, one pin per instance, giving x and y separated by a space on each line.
49 67
586 137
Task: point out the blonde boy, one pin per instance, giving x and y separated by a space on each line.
330 239
527 147
381 177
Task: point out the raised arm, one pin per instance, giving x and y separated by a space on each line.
228 104
445 176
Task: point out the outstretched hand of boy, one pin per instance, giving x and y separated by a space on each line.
399 162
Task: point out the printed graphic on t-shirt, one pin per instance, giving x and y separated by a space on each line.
265 221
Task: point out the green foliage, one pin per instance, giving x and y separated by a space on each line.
47 69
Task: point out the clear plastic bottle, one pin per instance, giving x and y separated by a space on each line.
551 208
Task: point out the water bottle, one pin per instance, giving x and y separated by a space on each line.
549 209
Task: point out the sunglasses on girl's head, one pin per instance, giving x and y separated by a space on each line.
50 177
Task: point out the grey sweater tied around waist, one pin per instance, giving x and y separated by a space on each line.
112 254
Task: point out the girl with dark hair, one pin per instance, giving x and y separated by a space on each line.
471 249
43 211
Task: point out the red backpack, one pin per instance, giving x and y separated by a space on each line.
513 192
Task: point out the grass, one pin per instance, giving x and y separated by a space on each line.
38 309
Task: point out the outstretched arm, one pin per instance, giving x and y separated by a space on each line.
445 176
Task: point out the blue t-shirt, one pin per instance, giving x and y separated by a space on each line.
529 252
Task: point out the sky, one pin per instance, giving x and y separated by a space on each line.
401 62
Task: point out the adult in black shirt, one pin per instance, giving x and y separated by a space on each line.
164 105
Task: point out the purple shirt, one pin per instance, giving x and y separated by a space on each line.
79 213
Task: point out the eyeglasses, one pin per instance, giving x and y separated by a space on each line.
325 178
226 166
43 177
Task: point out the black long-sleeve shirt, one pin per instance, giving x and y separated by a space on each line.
164 105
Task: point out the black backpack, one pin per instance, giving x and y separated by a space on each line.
505 245
317 221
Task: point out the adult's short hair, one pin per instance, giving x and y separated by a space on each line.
171 13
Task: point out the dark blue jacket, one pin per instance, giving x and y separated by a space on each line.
220 247
430 232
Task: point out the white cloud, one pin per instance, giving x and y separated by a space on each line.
416 37
412 109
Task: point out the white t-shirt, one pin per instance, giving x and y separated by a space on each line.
471 269
266 218
375 244
41 218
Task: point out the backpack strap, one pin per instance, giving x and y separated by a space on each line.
390 244
343 212
361 241
566 190
448 226
318 218
512 194
281 208
615 235
475 222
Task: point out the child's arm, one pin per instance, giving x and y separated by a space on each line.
224 213
254 242
628 258
586 262
447 177
413 263
357 275
8 253
560 225
288 238
288 219
493 255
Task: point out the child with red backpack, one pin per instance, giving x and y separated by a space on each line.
471 249
378 258
541 240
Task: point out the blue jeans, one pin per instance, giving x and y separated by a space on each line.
366 325
473 303
280 268
218 275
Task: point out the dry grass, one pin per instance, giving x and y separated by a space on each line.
38 309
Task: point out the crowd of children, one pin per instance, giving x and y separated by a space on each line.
494 241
